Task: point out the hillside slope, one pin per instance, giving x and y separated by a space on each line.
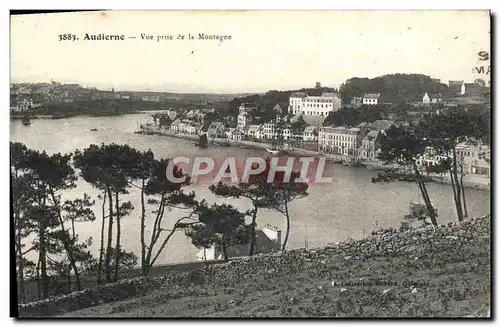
417 273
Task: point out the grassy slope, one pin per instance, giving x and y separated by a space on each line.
454 281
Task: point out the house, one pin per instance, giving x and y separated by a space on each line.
238 135
215 130
24 105
269 130
310 133
471 89
255 131
229 132
455 87
175 125
371 99
267 240
433 98
370 146
381 125
244 119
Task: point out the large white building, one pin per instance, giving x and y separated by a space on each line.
341 140
243 119
300 102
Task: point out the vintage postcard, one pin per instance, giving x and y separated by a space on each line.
239 164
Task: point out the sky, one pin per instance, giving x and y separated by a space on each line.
268 50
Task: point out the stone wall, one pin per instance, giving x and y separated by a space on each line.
380 243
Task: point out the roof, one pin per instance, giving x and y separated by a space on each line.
215 125
371 96
381 124
298 95
372 134
262 245
455 82
328 95
310 129
310 120
253 127
277 108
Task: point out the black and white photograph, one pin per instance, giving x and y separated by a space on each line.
251 164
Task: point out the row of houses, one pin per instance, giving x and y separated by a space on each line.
359 142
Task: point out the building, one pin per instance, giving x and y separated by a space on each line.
341 140
24 105
370 146
267 240
244 119
431 98
255 132
371 99
310 133
381 125
301 103
175 125
455 87
215 130
269 130
295 102
471 89
187 126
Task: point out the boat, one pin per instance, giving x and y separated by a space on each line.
273 151
203 142
226 143
26 121
93 129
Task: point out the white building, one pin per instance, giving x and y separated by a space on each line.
243 119
255 131
269 130
341 140
429 98
322 105
371 99
24 105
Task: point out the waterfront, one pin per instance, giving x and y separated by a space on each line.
350 207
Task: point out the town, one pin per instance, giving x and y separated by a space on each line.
308 125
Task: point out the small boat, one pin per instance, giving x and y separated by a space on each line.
273 151
26 121
93 129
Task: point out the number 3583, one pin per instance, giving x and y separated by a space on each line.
67 37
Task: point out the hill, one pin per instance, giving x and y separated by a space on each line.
414 273
394 88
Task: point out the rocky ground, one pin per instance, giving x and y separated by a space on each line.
418 273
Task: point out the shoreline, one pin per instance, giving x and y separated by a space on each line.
372 166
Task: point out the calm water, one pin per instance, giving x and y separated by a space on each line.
350 207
